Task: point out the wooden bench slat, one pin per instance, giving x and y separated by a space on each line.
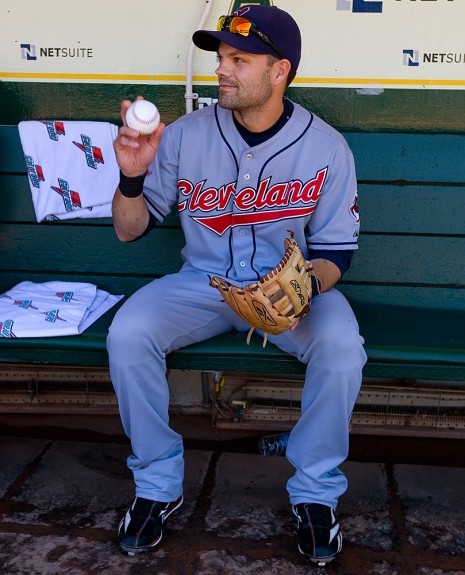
390 156
435 210
408 260
84 249
11 157
57 249
425 297
405 209
16 206
409 157
78 249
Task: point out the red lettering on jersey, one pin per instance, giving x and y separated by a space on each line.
185 188
197 199
225 194
262 192
206 200
279 195
246 199
312 189
261 203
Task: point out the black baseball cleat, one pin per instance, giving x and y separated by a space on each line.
320 538
141 528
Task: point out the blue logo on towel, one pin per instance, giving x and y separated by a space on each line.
25 304
93 154
35 172
6 329
66 296
53 315
71 200
54 129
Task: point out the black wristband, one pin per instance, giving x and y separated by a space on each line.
316 285
131 187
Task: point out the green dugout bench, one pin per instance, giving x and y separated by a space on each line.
406 283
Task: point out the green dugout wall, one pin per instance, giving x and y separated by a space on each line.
345 108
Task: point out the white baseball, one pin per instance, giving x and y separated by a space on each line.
143 116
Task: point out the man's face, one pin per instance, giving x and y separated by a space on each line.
244 79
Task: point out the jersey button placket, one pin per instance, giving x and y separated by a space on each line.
242 241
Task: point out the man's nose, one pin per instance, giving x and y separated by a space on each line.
222 69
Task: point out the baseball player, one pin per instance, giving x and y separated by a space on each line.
241 173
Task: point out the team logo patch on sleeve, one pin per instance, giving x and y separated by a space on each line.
354 209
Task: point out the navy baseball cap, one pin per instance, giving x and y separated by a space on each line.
255 29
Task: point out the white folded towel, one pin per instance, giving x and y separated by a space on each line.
72 167
53 308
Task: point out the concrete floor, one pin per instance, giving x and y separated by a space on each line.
61 498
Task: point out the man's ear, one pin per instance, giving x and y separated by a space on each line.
282 69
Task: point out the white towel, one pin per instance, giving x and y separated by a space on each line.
72 167
53 308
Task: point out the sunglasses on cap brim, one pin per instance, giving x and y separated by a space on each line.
242 26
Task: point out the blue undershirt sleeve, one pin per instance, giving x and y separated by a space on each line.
341 258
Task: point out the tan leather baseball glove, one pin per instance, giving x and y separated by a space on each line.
279 299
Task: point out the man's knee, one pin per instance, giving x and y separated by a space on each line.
338 344
130 333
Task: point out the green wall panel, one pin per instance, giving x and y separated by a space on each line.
393 109
99 102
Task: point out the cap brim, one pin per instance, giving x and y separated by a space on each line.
210 41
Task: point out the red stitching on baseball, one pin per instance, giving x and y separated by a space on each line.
141 120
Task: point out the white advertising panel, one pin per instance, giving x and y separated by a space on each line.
357 43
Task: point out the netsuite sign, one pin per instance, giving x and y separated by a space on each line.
415 58
32 52
374 6
360 5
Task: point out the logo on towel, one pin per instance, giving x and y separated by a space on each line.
54 129
35 172
66 296
6 329
25 304
93 154
71 200
52 315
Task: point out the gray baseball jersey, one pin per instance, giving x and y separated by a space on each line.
237 203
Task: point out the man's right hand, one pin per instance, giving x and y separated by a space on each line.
135 152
